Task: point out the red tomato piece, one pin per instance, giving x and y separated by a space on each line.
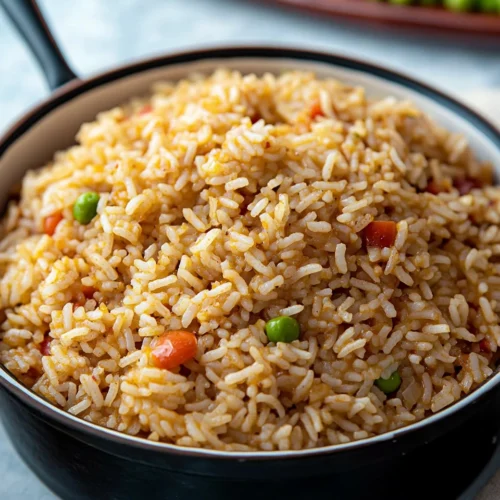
380 234
174 349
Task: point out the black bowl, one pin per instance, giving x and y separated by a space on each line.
80 460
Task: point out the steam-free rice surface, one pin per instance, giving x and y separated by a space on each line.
226 201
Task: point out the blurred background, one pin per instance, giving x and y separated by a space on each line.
96 34
460 54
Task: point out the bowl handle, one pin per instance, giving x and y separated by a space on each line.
29 22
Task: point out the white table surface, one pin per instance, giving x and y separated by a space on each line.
96 34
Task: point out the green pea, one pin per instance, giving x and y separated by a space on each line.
388 385
85 207
282 329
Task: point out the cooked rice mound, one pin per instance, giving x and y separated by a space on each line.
227 201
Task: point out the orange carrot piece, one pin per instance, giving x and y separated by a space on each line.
50 223
316 111
174 349
146 109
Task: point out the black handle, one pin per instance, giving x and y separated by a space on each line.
31 25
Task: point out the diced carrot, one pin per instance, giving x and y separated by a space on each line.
88 291
146 109
316 111
381 234
174 349
45 346
50 223
465 185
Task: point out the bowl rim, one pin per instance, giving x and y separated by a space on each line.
78 87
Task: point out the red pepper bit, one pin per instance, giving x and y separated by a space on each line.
380 234
484 346
45 346
466 184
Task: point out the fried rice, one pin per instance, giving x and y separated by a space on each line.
228 200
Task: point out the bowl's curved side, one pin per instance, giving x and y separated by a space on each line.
53 124
76 464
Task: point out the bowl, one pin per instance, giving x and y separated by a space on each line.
78 459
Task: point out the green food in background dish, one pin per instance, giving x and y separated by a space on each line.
459 5
487 6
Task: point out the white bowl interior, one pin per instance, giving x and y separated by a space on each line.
57 129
